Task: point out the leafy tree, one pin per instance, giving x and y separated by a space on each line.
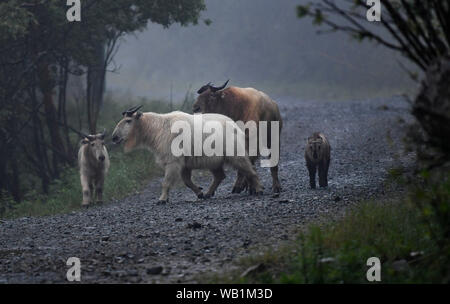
420 31
39 52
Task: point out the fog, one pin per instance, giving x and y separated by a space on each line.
258 43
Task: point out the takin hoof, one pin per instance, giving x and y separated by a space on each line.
254 192
209 195
99 202
201 195
245 186
276 189
236 189
162 202
85 206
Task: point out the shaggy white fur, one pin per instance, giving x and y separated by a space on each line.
154 132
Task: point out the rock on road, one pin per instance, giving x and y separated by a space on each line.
137 240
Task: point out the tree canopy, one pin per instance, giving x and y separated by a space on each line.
39 51
418 29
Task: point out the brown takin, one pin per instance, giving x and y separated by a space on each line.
93 160
317 154
244 105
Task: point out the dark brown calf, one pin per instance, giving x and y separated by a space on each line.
317 155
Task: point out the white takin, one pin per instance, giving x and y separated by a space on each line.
93 160
154 132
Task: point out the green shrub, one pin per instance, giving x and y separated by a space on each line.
412 231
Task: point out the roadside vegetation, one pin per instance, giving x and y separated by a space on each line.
128 172
409 235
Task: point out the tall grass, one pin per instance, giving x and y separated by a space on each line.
409 236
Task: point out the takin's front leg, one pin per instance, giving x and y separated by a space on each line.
186 177
219 176
171 173
85 186
276 186
99 190
244 167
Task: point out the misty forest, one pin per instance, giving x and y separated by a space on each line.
376 89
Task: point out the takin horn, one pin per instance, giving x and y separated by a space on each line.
214 89
131 111
204 88
84 135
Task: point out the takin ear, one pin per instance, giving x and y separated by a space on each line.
138 115
84 141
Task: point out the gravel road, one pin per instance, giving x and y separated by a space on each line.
137 240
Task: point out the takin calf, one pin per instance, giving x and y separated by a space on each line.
317 154
154 132
93 160
245 105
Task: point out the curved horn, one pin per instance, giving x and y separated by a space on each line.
204 88
84 135
131 111
214 89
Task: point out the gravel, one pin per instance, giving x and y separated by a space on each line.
138 241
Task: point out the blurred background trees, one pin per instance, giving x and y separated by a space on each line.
420 31
42 57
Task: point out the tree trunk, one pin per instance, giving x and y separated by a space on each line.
39 150
62 111
15 182
95 87
46 87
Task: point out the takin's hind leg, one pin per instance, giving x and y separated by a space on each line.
323 179
244 166
240 184
312 175
86 192
219 176
186 175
